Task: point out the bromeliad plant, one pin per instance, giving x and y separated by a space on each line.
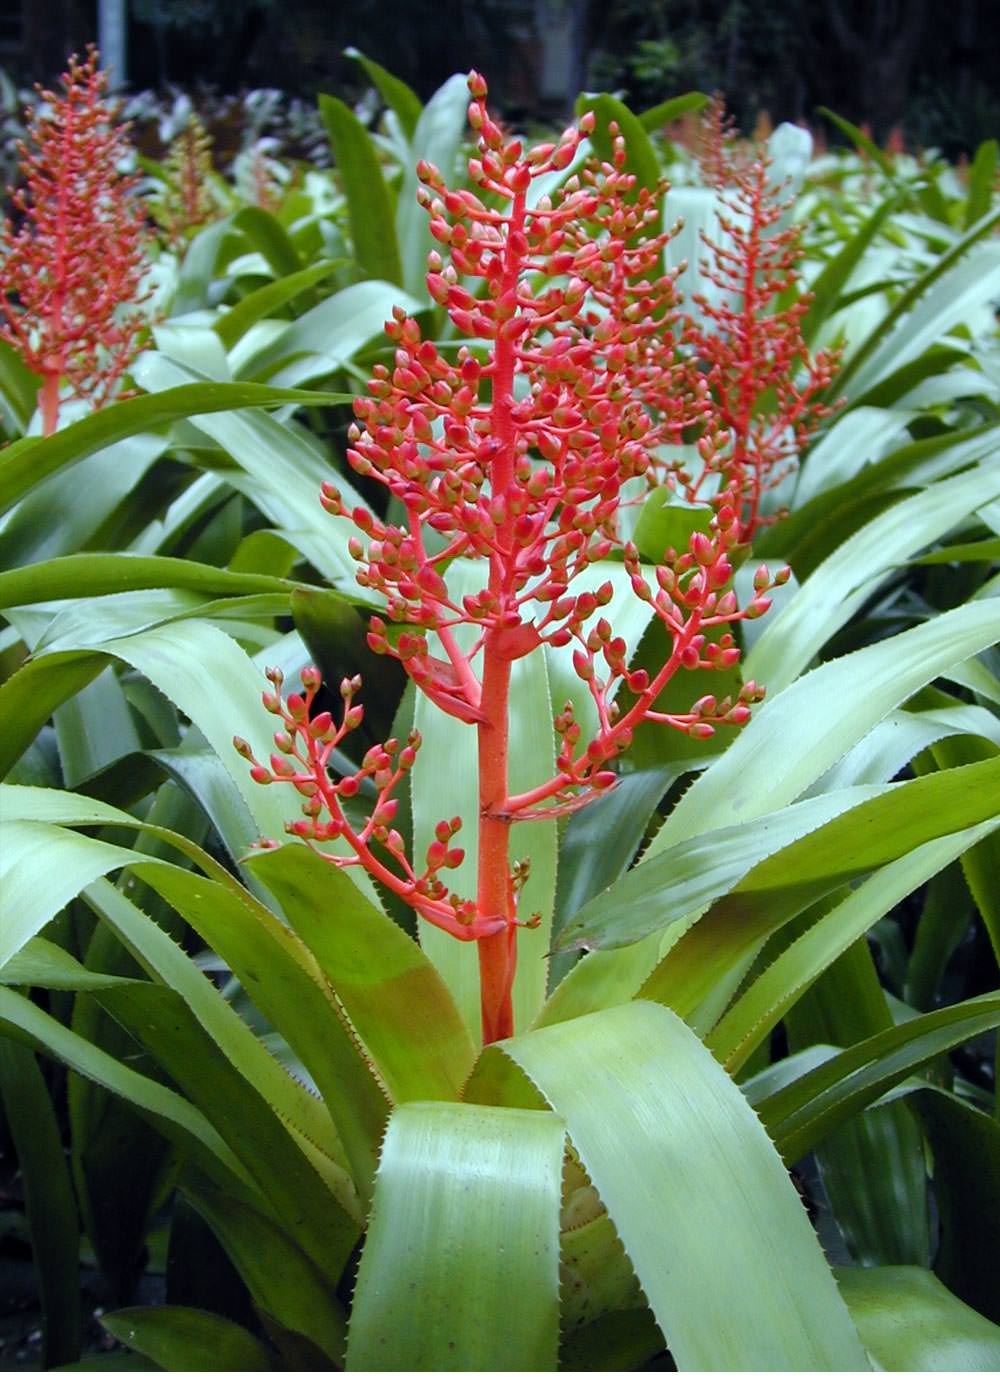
519 459
261 1029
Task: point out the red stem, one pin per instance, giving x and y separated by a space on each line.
497 952
48 403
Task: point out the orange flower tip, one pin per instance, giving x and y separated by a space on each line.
260 775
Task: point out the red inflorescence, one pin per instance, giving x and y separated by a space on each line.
764 383
70 276
516 451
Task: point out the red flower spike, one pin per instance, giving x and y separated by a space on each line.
516 452
70 276
763 382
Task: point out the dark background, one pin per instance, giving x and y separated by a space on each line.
927 68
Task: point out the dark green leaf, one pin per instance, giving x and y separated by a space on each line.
48 1193
188 1339
369 203
393 91
910 1322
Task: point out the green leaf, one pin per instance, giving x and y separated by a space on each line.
102 487
682 880
334 331
49 1200
162 958
193 664
816 528
369 203
393 91
44 964
962 553
829 285
666 112
794 738
714 1228
268 236
285 982
709 960
913 336
460 1270
799 1116
33 459
188 1339
203 257
294 1190
266 300
847 578
286 1286
18 385
395 998
944 922
666 523
42 868
982 182
178 1120
864 143
956 296
93 575
436 137
600 841
965 1144
761 1007
909 1321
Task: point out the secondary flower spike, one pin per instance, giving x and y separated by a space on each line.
765 384
70 276
515 451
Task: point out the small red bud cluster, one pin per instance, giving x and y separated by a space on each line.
304 746
70 276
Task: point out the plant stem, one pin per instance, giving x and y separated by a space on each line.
493 897
497 952
48 403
